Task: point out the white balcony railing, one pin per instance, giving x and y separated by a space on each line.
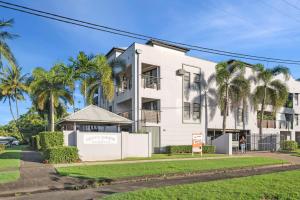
151 82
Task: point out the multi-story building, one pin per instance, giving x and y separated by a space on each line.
163 91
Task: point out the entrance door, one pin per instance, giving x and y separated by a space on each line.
298 137
155 131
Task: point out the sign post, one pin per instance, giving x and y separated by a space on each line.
197 143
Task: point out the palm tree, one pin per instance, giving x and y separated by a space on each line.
271 91
230 81
103 74
5 50
13 86
50 86
81 70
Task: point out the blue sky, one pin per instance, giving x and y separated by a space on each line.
263 27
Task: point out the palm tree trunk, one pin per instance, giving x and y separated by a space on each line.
262 111
244 113
51 113
225 110
10 108
17 108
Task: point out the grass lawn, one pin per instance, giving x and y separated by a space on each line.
10 160
282 185
115 171
174 156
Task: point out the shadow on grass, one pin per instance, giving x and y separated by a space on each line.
10 155
82 176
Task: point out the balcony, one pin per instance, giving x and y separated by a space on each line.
152 82
267 123
283 124
127 115
152 116
124 86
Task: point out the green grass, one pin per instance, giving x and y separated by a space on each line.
10 160
9 176
175 156
116 171
283 185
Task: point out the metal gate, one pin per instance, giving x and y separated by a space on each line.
265 142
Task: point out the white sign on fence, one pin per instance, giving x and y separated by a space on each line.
100 139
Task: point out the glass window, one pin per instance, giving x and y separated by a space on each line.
296 119
187 109
296 97
187 78
196 111
197 80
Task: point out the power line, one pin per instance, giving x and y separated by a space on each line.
139 36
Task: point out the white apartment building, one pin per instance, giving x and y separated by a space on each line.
162 91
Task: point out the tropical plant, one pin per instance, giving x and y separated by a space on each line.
270 91
50 86
5 50
13 86
81 71
100 76
230 81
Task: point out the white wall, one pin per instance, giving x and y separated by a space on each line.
223 144
97 146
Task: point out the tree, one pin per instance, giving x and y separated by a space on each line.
230 80
5 50
50 86
13 86
270 91
81 71
101 76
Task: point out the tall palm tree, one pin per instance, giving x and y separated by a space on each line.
13 86
50 86
229 79
270 91
5 50
104 74
81 67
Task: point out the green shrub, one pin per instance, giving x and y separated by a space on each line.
64 154
209 149
289 145
51 139
188 149
35 142
2 148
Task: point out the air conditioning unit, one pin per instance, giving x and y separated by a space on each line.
180 72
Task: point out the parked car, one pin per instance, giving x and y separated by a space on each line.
9 141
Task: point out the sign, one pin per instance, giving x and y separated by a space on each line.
197 142
100 139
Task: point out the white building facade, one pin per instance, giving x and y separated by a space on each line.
163 91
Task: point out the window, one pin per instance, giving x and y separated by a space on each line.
289 102
197 80
187 109
186 79
296 119
196 111
296 97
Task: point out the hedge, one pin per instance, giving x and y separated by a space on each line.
188 149
2 148
35 140
51 139
64 154
289 145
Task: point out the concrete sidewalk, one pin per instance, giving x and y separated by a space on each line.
34 176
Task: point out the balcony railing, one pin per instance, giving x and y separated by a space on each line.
127 115
151 82
281 124
152 116
267 123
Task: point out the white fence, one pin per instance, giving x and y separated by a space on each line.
97 146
